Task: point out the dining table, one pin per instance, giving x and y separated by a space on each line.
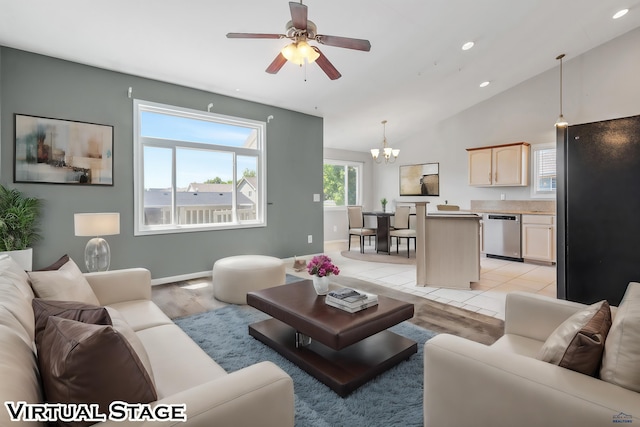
383 228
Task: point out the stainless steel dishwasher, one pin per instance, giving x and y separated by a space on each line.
502 236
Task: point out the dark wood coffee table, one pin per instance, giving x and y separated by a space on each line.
340 349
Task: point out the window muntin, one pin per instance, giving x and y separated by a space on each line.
342 183
195 169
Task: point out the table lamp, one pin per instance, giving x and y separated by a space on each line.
97 255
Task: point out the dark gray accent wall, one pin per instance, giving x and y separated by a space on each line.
49 87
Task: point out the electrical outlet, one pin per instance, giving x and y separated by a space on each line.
316 197
310 238
503 196
335 228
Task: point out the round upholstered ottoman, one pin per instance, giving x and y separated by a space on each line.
234 276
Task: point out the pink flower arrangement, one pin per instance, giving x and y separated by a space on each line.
321 266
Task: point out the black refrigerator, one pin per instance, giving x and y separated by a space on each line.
598 174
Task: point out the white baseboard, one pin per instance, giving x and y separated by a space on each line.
182 277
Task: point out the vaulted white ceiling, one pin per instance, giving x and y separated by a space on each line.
416 72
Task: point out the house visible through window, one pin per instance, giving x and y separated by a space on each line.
196 170
342 183
544 170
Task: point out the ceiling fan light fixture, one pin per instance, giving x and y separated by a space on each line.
300 51
307 52
290 52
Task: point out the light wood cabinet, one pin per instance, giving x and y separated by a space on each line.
499 165
539 237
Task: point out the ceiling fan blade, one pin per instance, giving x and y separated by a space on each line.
327 66
346 42
254 36
298 15
277 63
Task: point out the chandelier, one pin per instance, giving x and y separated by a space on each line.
389 155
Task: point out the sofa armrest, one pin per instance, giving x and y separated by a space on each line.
116 286
470 384
536 316
258 395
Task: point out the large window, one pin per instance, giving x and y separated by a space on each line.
544 171
342 183
196 171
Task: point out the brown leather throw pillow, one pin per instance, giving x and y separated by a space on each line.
81 312
84 363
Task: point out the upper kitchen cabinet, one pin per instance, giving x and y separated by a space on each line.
499 165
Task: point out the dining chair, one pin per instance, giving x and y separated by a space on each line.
401 229
356 226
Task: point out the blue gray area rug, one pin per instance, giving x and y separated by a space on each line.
394 398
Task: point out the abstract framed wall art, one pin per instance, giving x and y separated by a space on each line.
420 180
57 151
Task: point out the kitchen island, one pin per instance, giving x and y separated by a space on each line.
447 249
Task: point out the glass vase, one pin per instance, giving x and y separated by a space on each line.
321 284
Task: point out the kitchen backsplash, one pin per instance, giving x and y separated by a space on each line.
513 205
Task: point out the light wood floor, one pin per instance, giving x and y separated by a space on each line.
196 296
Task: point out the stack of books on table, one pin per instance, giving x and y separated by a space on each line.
350 300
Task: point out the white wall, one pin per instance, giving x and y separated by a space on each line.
598 85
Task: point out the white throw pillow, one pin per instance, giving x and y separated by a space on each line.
65 284
621 360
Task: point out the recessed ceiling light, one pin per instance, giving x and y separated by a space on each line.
620 13
484 84
467 45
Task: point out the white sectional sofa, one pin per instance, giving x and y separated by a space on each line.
505 385
261 394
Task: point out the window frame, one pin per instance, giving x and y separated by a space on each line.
535 172
359 184
140 142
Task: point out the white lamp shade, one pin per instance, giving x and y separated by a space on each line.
375 152
96 224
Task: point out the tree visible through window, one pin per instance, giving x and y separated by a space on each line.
341 183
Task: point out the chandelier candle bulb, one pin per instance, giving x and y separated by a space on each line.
389 154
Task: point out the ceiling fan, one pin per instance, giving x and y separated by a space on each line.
300 30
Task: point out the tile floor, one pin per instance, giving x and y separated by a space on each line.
497 278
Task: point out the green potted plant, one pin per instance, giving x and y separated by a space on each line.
384 204
19 216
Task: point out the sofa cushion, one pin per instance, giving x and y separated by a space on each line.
65 284
141 314
83 363
12 298
621 360
168 344
19 381
11 272
122 327
578 342
72 310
